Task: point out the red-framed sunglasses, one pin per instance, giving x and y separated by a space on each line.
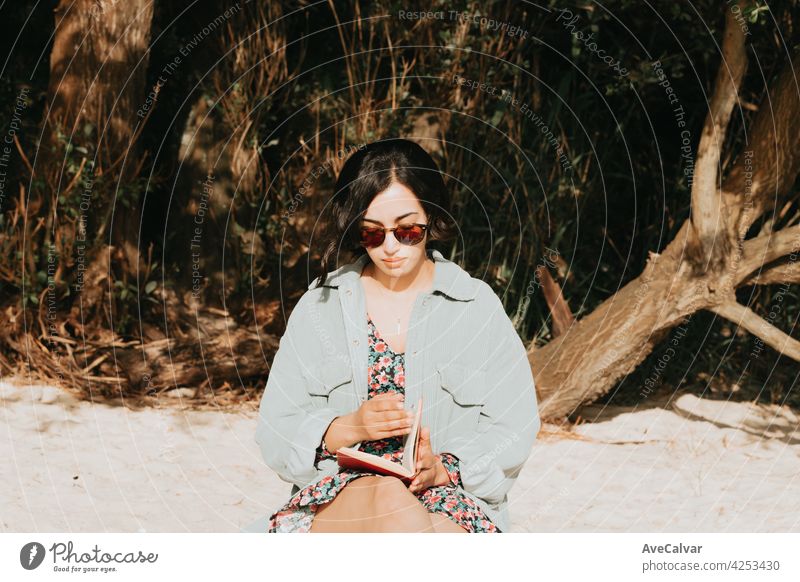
406 234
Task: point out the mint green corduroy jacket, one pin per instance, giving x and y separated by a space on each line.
463 356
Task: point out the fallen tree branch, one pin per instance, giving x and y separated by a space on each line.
759 327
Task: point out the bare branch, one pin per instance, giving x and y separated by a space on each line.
759 327
767 248
553 294
788 272
768 166
706 199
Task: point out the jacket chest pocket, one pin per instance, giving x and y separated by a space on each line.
466 388
330 383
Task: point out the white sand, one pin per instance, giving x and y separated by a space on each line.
693 465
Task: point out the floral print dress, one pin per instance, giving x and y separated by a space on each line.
386 374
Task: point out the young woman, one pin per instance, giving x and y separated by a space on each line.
368 339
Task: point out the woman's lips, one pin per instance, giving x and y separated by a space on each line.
393 261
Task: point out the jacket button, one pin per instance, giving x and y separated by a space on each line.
349 291
355 342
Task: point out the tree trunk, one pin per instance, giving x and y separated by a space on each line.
96 95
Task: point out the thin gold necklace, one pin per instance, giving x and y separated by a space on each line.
390 300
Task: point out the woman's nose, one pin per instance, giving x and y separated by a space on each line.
390 242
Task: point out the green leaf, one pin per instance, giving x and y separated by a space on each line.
150 287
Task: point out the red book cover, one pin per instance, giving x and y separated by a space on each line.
352 458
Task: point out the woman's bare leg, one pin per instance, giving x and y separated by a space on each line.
443 524
350 510
373 503
399 510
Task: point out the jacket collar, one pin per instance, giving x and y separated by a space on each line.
448 278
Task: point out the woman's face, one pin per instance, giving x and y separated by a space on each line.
395 206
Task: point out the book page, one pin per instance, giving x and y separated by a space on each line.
410 445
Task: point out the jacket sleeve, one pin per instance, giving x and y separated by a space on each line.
290 428
490 460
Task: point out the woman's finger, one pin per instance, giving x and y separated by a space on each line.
397 432
395 424
425 434
425 463
417 483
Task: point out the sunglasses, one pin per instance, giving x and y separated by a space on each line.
406 234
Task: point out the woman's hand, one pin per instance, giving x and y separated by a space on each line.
430 470
382 416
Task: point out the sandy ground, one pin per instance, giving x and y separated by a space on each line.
687 465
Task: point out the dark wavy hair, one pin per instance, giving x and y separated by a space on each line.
368 172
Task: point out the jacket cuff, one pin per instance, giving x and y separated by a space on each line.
303 463
452 465
479 473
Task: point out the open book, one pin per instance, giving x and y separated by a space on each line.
352 458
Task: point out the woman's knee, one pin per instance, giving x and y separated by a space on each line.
376 503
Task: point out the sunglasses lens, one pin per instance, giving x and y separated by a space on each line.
406 235
371 237
409 235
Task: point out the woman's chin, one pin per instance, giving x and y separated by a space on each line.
392 272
